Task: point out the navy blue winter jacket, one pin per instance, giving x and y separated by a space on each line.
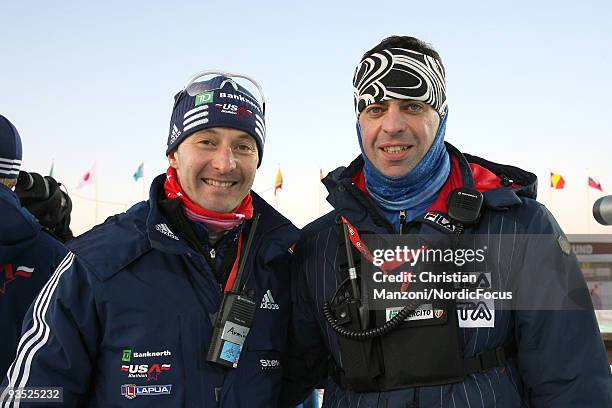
128 321
28 257
560 359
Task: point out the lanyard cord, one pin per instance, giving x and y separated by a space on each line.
232 276
355 239
363 335
235 276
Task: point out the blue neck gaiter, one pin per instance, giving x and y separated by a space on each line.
415 188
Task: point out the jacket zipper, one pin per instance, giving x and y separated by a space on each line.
402 221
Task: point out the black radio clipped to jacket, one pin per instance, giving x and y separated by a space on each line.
234 318
233 323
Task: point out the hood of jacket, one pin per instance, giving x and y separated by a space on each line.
19 228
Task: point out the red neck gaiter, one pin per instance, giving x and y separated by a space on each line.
214 221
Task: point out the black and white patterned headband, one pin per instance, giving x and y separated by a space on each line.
398 73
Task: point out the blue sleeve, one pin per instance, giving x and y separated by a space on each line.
59 340
561 355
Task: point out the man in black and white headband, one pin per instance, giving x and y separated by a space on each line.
542 349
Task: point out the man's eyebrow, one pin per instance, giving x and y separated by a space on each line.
208 131
245 136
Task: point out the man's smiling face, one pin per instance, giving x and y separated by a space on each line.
396 134
216 167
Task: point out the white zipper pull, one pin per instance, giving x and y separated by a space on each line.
212 253
402 218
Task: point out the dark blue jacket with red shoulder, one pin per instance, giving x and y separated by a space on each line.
560 358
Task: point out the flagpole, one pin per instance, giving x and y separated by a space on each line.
588 202
319 200
96 196
319 192
143 183
278 185
550 188
588 218
139 174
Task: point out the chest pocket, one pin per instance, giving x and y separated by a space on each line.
257 380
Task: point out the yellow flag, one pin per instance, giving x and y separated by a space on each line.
278 184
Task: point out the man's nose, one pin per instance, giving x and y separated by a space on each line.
224 160
393 120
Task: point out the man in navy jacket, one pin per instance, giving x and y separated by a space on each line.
540 348
130 320
28 255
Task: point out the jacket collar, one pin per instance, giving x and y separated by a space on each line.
501 185
162 237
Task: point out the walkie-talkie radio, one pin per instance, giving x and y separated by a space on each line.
234 318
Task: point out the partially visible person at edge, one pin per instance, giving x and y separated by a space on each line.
129 321
28 255
401 183
47 201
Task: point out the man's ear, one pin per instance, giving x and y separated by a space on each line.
172 158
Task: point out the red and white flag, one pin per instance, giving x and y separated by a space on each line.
595 184
88 177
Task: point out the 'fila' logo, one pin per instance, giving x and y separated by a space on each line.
440 220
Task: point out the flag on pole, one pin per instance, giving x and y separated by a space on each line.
51 169
278 184
88 177
556 181
139 172
595 184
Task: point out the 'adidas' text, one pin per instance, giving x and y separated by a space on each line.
268 301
